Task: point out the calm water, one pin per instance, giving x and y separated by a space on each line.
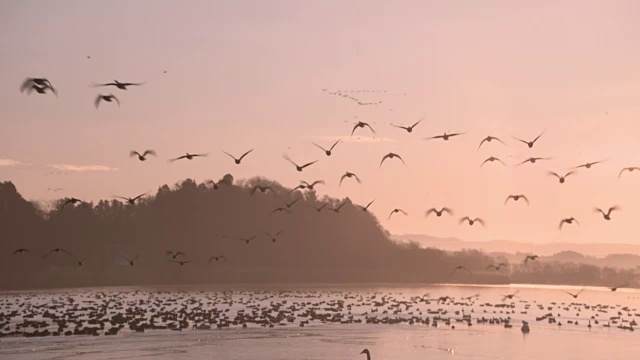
343 339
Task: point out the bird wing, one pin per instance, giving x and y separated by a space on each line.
538 137
390 214
308 164
26 84
138 197
320 147
447 210
525 199
508 197
481 142
149 152
480 221
369 204
613 208
116 99
599 210
286 157
354 128
334 144
466 218
569 173
178 158
96 102
383 159
561 223
522 141
621 171
414 125
133 153
342 178
231 156
357 178
369 126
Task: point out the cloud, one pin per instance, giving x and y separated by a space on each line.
81 168
354 139
9 162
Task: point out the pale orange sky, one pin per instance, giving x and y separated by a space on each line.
249 74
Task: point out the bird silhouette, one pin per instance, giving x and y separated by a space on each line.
299 167
289 205
497 267
530 143
349 175
319 209
629 169
80 262
40 89
561 179
615 288
570 220
366 208
328 152
188 157
471 221
41 83
72 201
394 211
238 160
492 159
516 198
181 262
143 156
131 201
460 267
489 139
337 209
588 165
260 188
510 296
175 254
444 136
439 212
215 185
119 85
107 98
310 186
361 124
530 257
607 215
280 209
217 258
409 129
273 237
246 240
533 160
390 156
20 251
57 251
575 296
132 262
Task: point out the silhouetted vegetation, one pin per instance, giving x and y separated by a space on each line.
349 246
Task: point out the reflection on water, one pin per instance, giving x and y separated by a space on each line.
392 322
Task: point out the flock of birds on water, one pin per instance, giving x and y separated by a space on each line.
110 313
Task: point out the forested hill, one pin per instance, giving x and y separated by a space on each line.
201 221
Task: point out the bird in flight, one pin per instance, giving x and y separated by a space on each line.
497 267
319 209
588 165
629 169
57 251
143 156
366 208
72 201
119 85
615 288
280 209
409 129
489 139
575 296
569 221
173 254
310 186
181 262
131 201
337 209
217 258
132 262
516 198
188 157
491 159
38 84
262 189
349 175
390 156
298 167
80 262
20 251
561 179
289 205
215 185
246 240
534 159
273 236
460 267
238 160
530 143
396 211
107 98
444 136
607 215
439 212
530 257
328 152
361 124
471 221
510 296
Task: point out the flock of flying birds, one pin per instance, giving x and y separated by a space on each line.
43 86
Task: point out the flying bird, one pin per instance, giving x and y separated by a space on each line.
131 201
366 208
629 169
42 83
217 258
181 262
444 136
337 209
188 157
107 98
273 236
319 209
298 167
534 159
471 221
20 251
439 212
390 156
262 189
491 159
143 156
132 262
349 175
72 201
530 257
460 267
289 205
40 89
215 185
238 160
588 165
575 296
409 129
80 262
328 152
497 267
607 215
361 124
561 179
396 211
175 254
530 143
567 221
489 139
280 209
119 85
516 198
311 186
619 287
510 296
246 240
57 251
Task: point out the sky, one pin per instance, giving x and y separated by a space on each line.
250 75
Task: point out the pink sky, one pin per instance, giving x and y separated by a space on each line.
249 74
